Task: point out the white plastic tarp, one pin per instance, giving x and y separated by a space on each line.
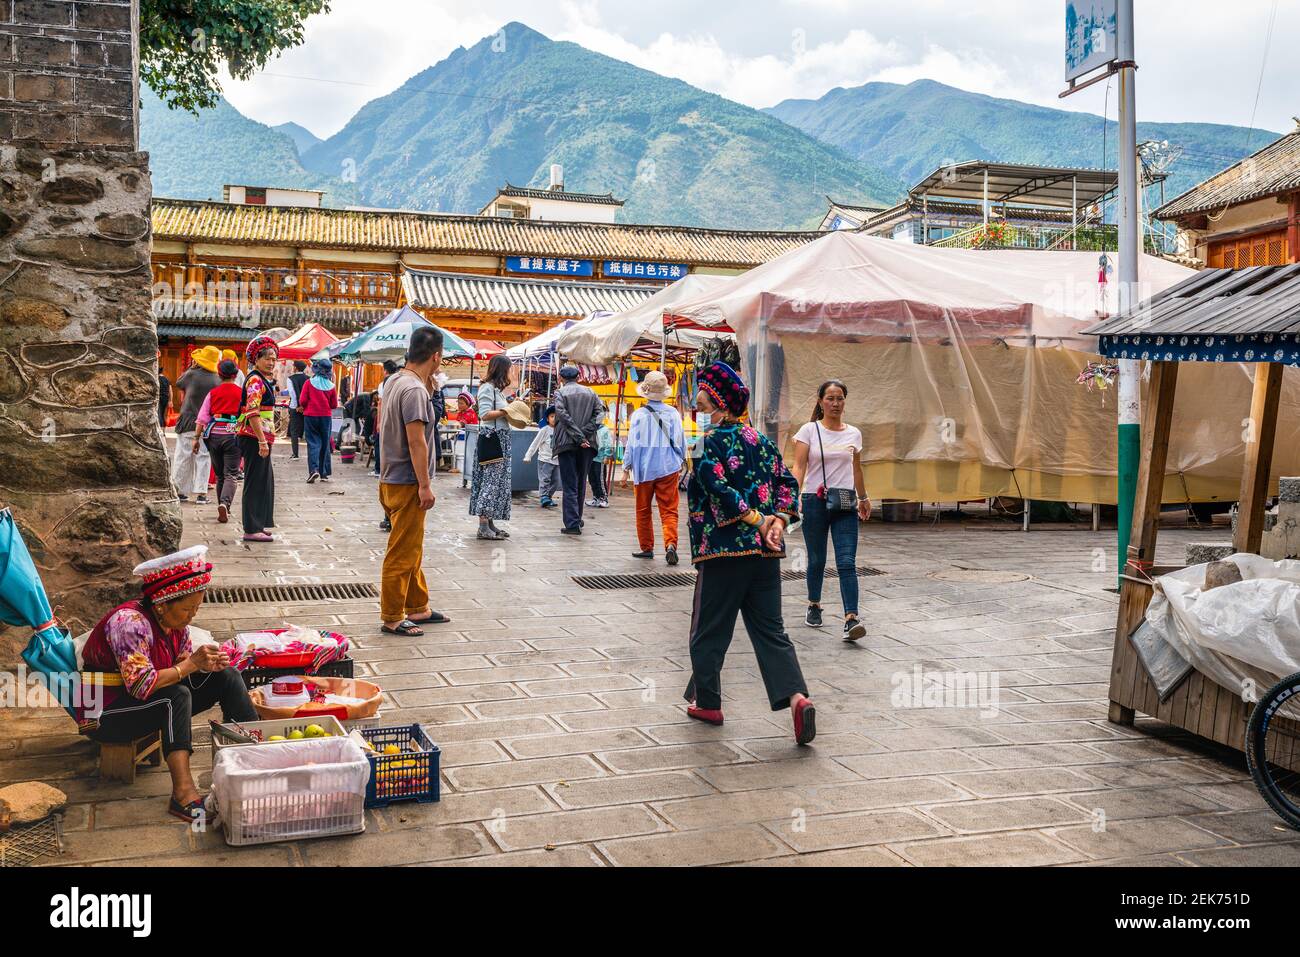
962 368
542 345
1248 631
604 339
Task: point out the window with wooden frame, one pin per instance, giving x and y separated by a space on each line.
1260 249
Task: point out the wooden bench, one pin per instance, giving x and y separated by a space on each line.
117 762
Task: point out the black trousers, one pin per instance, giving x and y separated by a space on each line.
224 450
259 488
750 586
172 709
297 429
574 466
596 474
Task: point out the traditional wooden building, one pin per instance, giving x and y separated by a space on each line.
1247 215
223 271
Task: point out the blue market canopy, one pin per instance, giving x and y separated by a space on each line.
1218 315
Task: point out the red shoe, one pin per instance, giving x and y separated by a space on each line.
805 721
223 514
707 715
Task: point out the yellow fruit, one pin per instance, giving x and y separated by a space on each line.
392 749
315 731
277 737
295 735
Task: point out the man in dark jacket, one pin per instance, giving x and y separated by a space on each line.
579 414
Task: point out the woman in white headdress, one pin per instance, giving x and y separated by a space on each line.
153 678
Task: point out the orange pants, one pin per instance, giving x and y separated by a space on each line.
403 590
665 492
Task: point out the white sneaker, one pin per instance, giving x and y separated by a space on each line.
602 503
593 503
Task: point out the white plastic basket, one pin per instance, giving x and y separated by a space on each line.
280 726
298 789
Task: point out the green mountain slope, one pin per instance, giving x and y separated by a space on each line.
509 107
302 137
192 157
911 130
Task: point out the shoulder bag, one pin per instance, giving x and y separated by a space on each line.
684 479
838 500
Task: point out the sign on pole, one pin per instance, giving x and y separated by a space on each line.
1091 36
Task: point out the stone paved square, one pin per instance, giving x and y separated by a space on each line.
564 736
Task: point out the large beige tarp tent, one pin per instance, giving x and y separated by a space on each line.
962 369
602 340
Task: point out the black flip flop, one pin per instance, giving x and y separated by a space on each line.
435 618
407 629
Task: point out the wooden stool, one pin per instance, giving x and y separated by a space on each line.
117 762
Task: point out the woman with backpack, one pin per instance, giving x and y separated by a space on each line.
828 465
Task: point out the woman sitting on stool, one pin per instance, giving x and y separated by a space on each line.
154 680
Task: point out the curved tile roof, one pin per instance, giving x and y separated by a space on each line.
431 233
1274 169
519 297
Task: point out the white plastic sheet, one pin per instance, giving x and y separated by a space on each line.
1245 635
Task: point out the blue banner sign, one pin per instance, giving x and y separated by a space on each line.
623 269
550 266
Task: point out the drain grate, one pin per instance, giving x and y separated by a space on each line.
247 594
685 579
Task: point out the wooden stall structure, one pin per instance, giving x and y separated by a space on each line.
1219 315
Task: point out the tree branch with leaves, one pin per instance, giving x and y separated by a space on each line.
184 43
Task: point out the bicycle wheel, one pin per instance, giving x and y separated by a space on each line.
1273 748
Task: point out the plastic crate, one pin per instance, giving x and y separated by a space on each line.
295 790
255 677
281 727
409 776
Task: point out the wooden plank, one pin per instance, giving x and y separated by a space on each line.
1126 688
1195 685
1264 403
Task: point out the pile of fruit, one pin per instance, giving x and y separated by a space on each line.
298 734
393 778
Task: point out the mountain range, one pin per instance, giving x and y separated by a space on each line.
508 107
910 131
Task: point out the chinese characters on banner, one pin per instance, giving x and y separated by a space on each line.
549 266
623 270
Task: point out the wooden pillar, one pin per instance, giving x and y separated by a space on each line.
299 278
1259 456
1135 593
1293 228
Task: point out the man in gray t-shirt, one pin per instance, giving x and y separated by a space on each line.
406 451
406 400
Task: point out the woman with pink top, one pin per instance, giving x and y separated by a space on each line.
318 400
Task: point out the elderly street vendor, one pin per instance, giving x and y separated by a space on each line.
154 679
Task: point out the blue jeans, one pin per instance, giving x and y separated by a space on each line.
843 530
319 432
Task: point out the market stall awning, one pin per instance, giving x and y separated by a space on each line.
498 296
542 346
1217 315
851 285
306 341
603 339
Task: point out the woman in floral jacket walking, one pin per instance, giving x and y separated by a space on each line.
742 499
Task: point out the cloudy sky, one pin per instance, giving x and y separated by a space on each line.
1194 62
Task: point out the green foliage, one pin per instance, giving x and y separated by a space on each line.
183 43
912 130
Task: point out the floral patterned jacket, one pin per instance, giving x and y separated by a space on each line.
738 470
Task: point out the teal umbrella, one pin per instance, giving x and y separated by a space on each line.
388 339
23 603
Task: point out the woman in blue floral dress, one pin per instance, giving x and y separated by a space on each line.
742 499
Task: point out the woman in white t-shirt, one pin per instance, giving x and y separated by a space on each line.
828 455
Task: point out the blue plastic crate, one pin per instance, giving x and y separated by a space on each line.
409 776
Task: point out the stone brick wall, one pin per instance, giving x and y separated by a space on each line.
82 460
68 73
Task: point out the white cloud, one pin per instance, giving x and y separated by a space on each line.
1195 63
